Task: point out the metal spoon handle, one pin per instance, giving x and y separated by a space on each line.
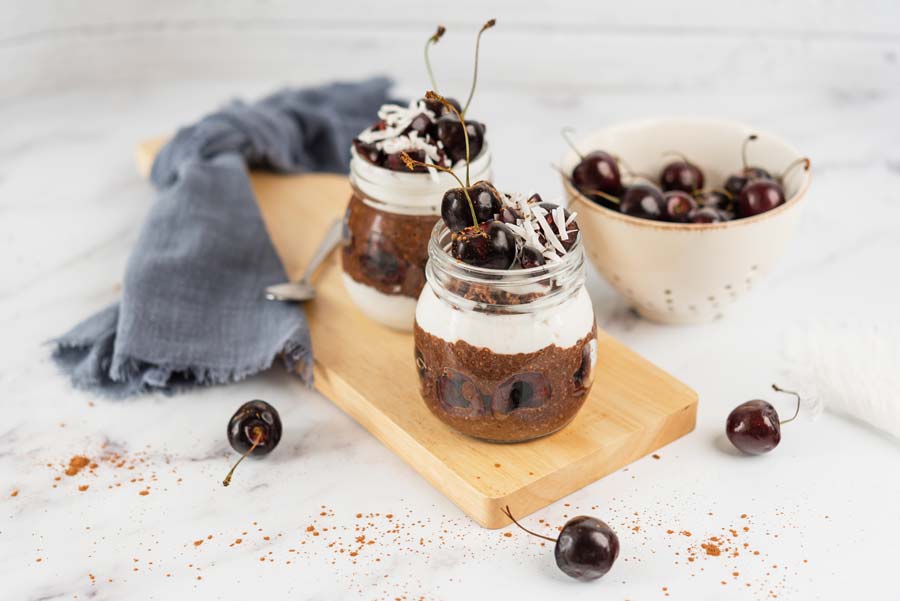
332 237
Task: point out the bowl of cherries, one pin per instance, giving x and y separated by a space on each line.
684 216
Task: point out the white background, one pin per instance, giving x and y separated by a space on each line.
81 82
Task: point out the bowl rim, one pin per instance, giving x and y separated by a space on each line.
576 195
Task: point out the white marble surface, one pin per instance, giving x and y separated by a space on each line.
821 509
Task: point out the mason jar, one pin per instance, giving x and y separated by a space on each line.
504 355
387 227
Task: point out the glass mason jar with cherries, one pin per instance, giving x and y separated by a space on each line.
504 355
387 227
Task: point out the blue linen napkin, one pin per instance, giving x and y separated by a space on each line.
192 309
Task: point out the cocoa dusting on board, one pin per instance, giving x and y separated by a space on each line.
386 251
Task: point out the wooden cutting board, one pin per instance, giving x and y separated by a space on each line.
368 371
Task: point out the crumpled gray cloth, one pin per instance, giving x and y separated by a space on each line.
192 309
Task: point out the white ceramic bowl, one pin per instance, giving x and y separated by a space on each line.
686 273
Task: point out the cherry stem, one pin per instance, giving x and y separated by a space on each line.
484 28
603 194
506 511
432 95
411 164
433 40
629 171
719 190
797 411
747 140
256 440
566 132
793 165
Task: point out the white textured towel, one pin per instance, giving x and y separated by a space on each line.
850 368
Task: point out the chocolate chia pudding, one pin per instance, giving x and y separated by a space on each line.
504 397
505 336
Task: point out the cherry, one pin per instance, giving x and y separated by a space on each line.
584 375
597 170
522 391
754 427
714 198
572 229
509 215
531 257
491 245
645 201
394 161
681 175
450 133
759 196
679 206
735 183
455 209
380 260
458 394
368 151
422 125
708 215
586 548
254 427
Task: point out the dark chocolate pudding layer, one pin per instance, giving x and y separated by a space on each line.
502 397
386 251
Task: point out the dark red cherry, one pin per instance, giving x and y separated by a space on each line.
380 260
598 170
450 133
368 151
255 428
586 549
422 125
491 245
584 375
681 175
679 206
759 196
458 394
736 183
436 107
645 201
395 163
521 391
455 209
509 215
571 229
754 427
707 215
714 199
531 257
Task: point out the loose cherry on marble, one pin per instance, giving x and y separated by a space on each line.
679 206
586 548
681 175
754 427
254 427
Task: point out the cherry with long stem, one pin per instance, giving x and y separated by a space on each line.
412 163
432 95
508 513
776 388
257 438
605 195
441 30
484 28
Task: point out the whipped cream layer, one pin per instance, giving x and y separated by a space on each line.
562 325
393 310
